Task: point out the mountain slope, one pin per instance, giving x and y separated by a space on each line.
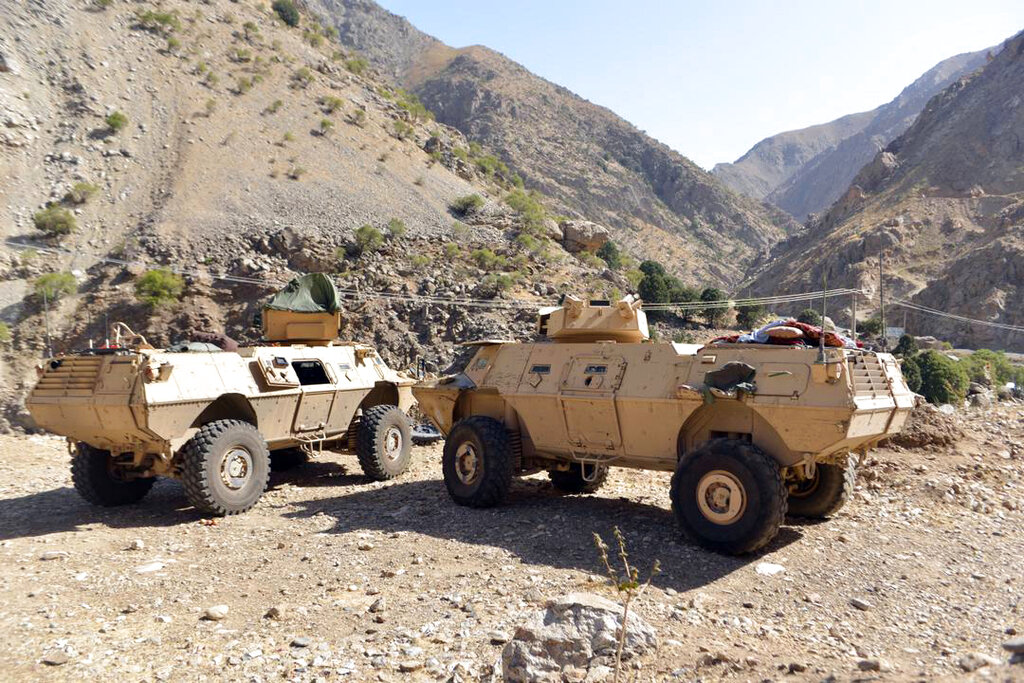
943 204
804 171
585 157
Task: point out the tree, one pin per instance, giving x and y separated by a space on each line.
466 204
54 286
288 12
747 317
714 316
54 220
872 327
809 316
610 254
368 238
159 287
906 347
943 380
911 373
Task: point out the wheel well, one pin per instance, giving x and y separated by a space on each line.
383 393
733 420
228 407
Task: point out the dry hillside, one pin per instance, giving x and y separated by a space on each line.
943 204
804 171
594 164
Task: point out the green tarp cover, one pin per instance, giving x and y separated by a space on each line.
313 293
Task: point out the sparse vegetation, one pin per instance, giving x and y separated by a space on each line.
872 327
610 254
397 228
487 259
173 45
419 261
326 126
54 221
499 282
330 103
80 193
159 287
209 106
5 333
302 77
243 85
809 316
358 117
748 317
460 230
54 286
116 121
401 129
158 22
296 172
412 104
274 106
368 239
451 250
466 204
250 29
527 205
287 11
356 65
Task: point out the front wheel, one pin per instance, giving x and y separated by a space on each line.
384 442
728 496
477 462
225 467
825 493
100 482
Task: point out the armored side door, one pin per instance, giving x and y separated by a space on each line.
317 382
587 399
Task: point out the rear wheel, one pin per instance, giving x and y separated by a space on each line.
729 496
573 480
825 493
101 483
384 442
477 462
225 467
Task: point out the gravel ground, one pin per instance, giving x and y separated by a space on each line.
333 577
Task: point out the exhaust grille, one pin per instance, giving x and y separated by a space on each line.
73 376
868 376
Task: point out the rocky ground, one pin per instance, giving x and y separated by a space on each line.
330 576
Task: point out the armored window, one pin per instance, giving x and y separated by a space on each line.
310 372
541 369
595 370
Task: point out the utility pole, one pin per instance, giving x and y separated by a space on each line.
853 316
881 296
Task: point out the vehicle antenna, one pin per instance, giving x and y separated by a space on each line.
881 297
821 337
46 322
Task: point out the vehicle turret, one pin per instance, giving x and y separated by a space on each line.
581 321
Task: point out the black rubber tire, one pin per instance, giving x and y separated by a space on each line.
572 481
762 483
201 461
377 425
95 480
287 459
826 493
490 441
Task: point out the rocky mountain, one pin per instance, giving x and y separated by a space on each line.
943 204
215 140
594 164
804 171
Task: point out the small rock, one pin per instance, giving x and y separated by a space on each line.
797 667
300 641
862 605
149 568
56 658
365 545
137 544
869 665
277 613
973 661
215 613
1016 646
769 569
378 605
409 666
498 637
54 555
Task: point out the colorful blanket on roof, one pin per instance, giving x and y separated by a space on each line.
811 336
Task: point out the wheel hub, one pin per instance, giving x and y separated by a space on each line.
393 443
236 468
467 463
721 497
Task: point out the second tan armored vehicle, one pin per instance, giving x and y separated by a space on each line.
214 419
749 430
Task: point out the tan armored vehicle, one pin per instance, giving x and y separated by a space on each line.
214 418
748 429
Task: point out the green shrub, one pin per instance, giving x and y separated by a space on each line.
460 153
714 316
943 380
356 65
419 261
412 104
1000 368
527 205
54 286
809 316
396 226
358 117
451 250
401 129
302 77
274 107
911 373
500 282
490 165
326 125
330 103
159 287
610 254
487 259
530 243
872 327
243 85
466 204
158 22
590 260
287 11
54 220
907 346
173 44
368 238
80 193
250 29
460 230
116 121
748 317
5 333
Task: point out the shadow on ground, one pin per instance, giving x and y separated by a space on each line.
538 525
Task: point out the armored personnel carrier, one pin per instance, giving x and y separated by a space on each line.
214 418
749 430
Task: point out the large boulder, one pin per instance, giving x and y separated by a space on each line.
577 631
583 235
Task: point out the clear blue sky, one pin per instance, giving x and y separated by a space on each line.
712 78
